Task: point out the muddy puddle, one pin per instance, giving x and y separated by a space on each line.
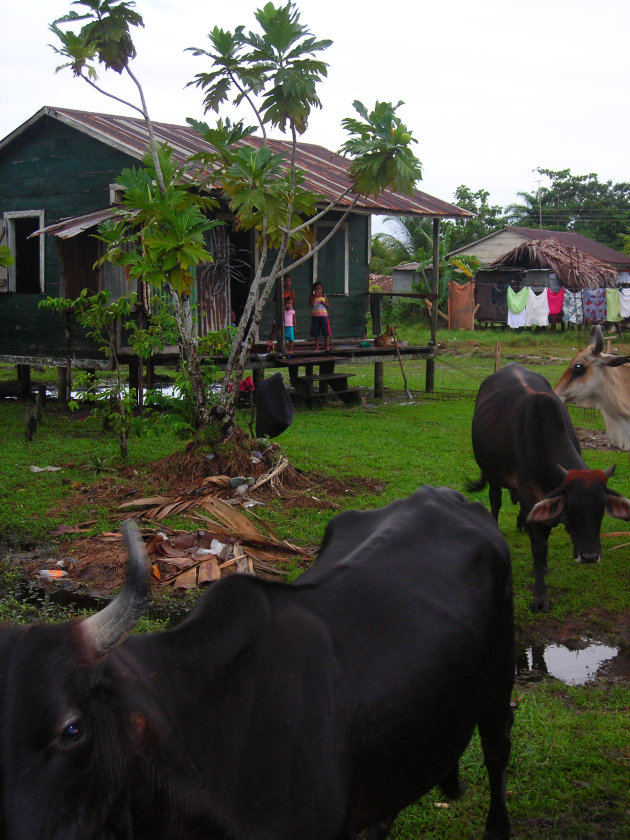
574 666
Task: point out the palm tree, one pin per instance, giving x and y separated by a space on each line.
412 240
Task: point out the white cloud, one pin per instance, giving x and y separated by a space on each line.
491 89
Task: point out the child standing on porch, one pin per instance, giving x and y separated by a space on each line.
320 325
290 324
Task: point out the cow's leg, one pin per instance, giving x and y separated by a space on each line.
521 519
379 831
451 785
495 725
495 493
539 539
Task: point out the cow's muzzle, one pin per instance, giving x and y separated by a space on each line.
588 557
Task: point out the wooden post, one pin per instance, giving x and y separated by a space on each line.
378 380
68 376
30 422
430 373
258 374
135 364
279 310
150 372
24 378
376 311
497 356
62 384
40 399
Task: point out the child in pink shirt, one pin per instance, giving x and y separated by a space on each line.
290 324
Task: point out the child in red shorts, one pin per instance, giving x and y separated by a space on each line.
320 325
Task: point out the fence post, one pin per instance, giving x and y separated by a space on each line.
378 380
497 356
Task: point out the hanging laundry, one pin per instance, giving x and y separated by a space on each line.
555 300
624 303
516 303
613 305
491 301
461 306
537 309
594 305
572 309
499 295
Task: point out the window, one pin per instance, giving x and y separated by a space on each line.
26 275
331 263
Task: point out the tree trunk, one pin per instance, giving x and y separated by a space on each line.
190 351
244 340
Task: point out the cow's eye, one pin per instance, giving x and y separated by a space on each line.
71 733
579 370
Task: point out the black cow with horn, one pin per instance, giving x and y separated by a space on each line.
274 711
523 440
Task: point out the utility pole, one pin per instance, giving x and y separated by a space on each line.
539 181
430 371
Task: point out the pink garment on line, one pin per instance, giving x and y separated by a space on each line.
556 300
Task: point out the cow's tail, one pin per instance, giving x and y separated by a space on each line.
476 486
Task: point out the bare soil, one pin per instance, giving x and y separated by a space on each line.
96 564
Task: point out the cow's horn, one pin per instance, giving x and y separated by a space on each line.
111 626
564 473
610 470
598 339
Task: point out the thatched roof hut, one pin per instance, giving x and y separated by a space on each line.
574 268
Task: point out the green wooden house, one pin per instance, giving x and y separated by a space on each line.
58 173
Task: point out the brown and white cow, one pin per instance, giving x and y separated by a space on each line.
599 380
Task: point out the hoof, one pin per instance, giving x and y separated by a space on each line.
541 605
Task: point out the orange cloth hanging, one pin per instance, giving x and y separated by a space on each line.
461 306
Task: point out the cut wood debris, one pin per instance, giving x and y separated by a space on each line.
230 542
197 559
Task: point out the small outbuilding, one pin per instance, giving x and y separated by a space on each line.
548 266
488 249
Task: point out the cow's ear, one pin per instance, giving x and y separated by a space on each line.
617 505
548 510
154 739
615 361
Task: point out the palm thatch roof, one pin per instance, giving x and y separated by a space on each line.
575 269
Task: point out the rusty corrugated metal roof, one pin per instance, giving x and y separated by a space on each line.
326 172
67 228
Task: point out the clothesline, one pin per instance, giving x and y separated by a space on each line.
526 307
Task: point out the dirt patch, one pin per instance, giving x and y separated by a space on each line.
594 439
578 633
96 564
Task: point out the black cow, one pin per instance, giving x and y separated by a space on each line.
523 439
274 711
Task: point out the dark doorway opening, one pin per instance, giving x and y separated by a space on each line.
27 264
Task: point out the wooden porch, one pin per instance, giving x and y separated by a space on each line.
314 376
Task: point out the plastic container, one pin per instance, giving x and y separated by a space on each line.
52 574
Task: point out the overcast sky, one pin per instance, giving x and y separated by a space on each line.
492 89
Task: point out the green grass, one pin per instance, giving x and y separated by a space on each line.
569 772
567 778
67 440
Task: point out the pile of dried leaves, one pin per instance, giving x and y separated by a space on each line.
223 539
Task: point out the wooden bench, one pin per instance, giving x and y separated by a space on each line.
329 384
